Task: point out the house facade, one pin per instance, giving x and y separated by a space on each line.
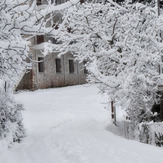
51 70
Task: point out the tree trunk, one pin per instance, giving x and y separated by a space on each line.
113 112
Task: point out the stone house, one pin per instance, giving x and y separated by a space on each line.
50 71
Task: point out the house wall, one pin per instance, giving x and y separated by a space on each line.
50 78
26 82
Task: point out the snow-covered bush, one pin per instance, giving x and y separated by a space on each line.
11 128
122 47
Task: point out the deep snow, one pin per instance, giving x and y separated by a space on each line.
70 125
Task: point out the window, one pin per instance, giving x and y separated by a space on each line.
40 64
58 65
57 2
71 66
38 2
81 1
40 39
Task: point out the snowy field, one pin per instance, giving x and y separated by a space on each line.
70 125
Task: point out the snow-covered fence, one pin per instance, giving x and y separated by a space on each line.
128 129
149 133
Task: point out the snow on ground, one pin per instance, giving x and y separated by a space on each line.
69 125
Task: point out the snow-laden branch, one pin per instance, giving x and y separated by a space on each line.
122 47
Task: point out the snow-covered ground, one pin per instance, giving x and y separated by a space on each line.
70 125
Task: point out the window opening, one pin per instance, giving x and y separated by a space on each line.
58 65
71 66
40 64
40 39
38 2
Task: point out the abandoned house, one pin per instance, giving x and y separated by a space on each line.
50 71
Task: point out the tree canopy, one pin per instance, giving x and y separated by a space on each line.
122 45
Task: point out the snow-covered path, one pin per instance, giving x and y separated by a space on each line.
69 125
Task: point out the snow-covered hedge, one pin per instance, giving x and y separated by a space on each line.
145 132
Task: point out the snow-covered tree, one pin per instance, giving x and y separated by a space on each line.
122 46
20 20
13 52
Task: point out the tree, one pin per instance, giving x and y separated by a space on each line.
122 46
13 52
19 22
